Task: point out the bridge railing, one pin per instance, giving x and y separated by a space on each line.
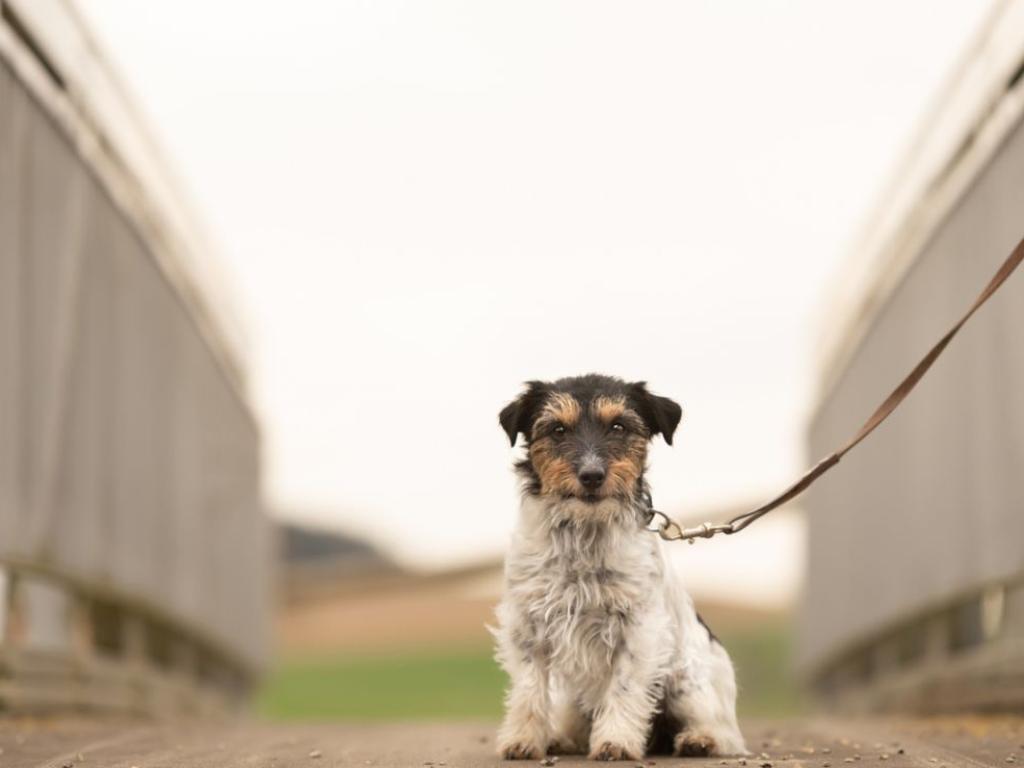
915 589
134 552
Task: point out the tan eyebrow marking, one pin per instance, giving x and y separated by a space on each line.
562 408
607 409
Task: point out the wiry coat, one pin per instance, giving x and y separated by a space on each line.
604 650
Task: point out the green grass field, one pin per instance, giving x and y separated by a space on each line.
420 684
762 657
467 683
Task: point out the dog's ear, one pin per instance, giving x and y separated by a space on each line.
660 414
518 415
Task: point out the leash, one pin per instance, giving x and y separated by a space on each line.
670 530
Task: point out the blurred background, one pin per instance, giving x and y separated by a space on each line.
269 271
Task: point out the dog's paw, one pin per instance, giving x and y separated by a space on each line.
610 751
520 751
694 744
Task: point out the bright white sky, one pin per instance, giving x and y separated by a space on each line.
423 204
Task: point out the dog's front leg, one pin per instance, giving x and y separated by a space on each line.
622 720
703 699
526 730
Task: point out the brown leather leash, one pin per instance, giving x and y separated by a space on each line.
670 530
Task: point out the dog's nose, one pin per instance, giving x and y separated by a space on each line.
591 477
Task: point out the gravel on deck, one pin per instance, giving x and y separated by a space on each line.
953 742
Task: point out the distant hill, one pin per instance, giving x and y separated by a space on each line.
303 544
315 563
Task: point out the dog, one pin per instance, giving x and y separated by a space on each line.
604 651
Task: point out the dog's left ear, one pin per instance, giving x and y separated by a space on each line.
660 414
518 415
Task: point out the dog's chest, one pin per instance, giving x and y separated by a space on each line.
582 604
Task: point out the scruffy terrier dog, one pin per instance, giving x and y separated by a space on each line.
604 650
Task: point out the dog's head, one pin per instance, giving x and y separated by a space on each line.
587 436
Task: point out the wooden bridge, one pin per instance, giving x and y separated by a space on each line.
134 554
947 743
915 585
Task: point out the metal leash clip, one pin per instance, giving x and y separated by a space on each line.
670 530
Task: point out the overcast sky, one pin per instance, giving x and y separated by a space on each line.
420 205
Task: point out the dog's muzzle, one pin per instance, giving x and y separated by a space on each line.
591 473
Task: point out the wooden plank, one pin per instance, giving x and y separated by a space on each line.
14 121
129 461
924 518
972 742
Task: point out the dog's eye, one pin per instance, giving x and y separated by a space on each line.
618 427
559 429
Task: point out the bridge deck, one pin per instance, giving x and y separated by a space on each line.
62 743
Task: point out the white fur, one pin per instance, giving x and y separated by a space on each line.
596 635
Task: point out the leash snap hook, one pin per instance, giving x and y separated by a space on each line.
670 530
666 527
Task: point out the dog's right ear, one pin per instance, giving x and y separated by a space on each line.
518 415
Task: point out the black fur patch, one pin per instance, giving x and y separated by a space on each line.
711 634
664 728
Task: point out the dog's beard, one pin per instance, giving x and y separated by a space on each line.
604 510
587 497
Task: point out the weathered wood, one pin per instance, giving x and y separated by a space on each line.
914 541
129 455
946 743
